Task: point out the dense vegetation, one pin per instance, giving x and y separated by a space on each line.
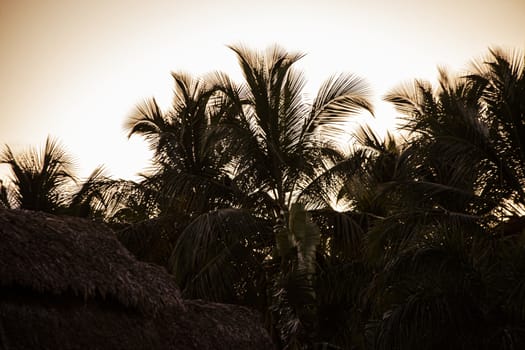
240 205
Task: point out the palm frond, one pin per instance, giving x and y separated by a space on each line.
339 98
218 256
147 119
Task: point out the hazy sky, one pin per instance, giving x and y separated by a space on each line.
75 69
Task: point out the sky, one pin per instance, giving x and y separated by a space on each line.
75 69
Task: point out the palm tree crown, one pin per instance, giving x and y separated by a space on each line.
40 177
280 136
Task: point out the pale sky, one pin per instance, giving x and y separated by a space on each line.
74 69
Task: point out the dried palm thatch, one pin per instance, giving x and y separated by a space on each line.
67 283
54 255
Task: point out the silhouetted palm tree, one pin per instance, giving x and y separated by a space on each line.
279 144
446 256
471 126
280 136
41 179
189 176
189 159
502 77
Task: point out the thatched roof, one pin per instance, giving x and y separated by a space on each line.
29 323
222 326
67 283
58 255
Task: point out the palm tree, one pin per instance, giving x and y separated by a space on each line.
280 138
280 144
41 179
44 180
189 176
190 162
475 122
502 77
448 256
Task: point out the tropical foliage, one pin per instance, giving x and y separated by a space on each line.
425 251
